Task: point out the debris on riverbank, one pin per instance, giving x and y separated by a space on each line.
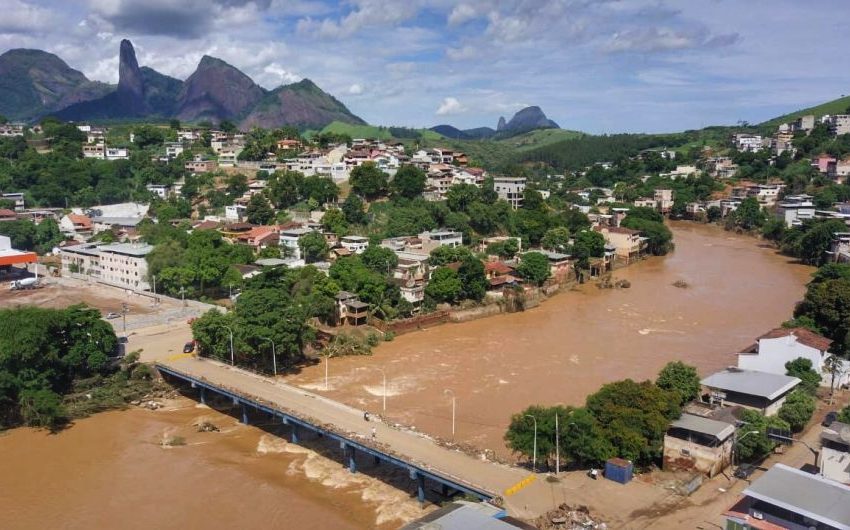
566 517
681 284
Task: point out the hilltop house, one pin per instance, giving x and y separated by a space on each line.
772 350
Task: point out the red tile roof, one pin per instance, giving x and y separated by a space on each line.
803 335
80 220
7 213
206 225
499 267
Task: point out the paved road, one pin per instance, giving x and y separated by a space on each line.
532 500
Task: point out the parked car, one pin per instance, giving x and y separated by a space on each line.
112 315
189 347
829 419
744 471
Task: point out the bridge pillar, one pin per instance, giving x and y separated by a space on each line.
444 489
351 453
244 414
203 396
377 461
294 433
420 485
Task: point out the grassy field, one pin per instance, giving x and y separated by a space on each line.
836 106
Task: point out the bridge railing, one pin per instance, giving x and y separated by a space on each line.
441 477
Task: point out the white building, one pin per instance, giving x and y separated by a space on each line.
441 238
773 349
235 212
794 212
839 124
761 391
748 142
354 244
510 189
160 190
289 239
117 153
119 264
173 149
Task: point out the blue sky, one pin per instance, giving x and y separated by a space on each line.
600 66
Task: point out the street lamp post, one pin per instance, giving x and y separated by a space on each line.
534 461
737 440
124 316
557 447
232 358
154 289
274 356
454 408
385 386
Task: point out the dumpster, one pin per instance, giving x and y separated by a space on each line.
619 470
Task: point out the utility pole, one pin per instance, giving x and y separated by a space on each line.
557 447
124 316
274 356
534 461
232 358
454 408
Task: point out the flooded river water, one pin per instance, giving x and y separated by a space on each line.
573 343
110 471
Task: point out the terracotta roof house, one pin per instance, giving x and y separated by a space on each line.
778 346
7 215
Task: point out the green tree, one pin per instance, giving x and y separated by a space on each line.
773 229
21 233
520 435
47 236
352 207
557 239
713 214
534 267
334 221
801 368
379 259
313 247
368 180
752 442
681 378
259 211
748 215
472 278
408 182
660 238
460 197
444 286
827 304
506 249
634 417
797 409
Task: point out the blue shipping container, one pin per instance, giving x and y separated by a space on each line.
618 470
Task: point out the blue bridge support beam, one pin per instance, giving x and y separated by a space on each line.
203 396
244 414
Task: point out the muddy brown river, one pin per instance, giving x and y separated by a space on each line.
110 471
573 343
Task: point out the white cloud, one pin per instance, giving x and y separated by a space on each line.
277 71
449 107
461 13
355 89
22 17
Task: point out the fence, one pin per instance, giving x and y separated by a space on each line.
411 324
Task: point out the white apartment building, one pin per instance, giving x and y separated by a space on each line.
794 210
510 189
117 153
289 239
748 142
173 149
839 124
235 212
441 238
119 264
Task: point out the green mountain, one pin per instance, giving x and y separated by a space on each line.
34 83
836 106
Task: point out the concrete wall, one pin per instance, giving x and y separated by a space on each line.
682 455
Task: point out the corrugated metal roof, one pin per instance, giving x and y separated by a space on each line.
751 382
719 429
812 496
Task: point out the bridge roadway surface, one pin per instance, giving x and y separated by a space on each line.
415 448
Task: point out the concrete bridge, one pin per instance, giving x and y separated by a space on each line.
425 460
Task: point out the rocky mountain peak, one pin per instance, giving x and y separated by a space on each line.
131 86
501 124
